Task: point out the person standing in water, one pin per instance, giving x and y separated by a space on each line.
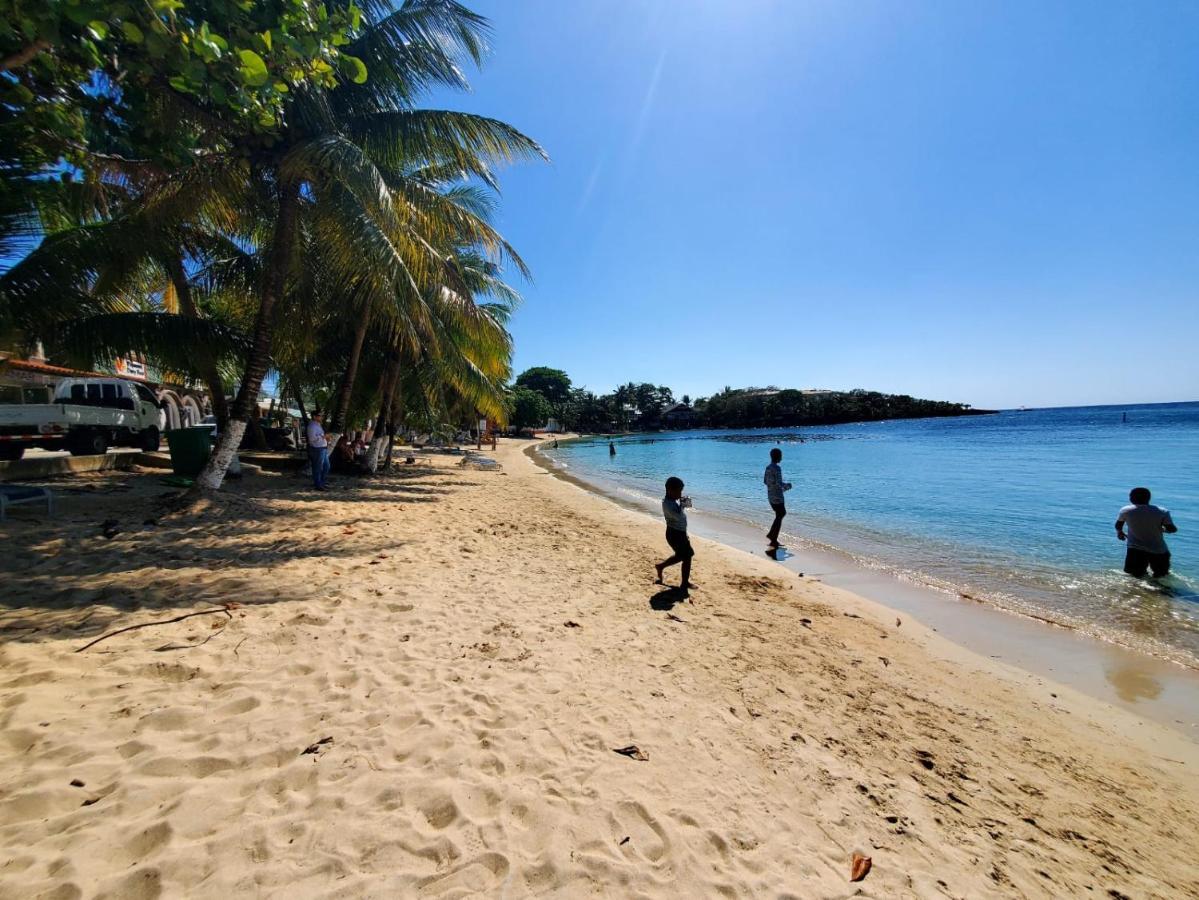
1146 547
611 449
775 488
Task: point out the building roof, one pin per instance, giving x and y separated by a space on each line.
41 368
678 408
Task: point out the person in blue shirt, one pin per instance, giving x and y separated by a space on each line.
674 506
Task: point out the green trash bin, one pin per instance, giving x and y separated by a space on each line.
190 449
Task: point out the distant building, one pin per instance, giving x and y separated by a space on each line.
678 416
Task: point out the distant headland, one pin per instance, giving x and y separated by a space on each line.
542 393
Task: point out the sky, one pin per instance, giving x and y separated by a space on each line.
995 203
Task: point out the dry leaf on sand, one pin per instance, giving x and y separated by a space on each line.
859 867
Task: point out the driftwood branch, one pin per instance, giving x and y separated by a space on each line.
204 612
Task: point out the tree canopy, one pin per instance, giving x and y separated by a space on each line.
263 173
552 384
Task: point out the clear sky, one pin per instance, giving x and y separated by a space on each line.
990 202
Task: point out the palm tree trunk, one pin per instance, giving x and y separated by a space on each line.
208 370
274 282
391 375
393 419
342 407
299 398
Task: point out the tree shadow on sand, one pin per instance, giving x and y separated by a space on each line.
114 548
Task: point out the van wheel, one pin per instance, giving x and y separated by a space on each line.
11 452
91 443
151 439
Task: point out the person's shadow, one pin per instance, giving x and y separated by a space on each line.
666 600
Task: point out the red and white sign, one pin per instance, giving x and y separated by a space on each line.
130 368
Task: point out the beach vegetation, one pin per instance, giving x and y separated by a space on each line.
528 408
259 182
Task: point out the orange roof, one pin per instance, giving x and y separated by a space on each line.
41 368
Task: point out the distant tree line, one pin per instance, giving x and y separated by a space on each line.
772 407
542 393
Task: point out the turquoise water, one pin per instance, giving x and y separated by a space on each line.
1015 509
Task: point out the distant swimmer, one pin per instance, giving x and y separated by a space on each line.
1146 523
775 488
611 449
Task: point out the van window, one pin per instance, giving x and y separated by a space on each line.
78 394
109 394
145 394
93 395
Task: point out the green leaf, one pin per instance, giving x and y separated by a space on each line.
98 29
355 17
179 83
253 68
133 34
353 68
266 39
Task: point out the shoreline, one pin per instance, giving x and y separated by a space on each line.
1164 691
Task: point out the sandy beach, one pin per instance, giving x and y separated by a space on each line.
414 686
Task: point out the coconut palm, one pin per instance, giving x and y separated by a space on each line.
349 168
353 209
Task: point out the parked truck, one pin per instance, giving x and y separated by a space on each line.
87 416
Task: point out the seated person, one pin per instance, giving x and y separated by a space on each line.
342 460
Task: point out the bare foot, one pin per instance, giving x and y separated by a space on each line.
658 569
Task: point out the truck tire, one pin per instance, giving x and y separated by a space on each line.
89 443
11 452
151 439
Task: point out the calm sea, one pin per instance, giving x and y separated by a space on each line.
1015 509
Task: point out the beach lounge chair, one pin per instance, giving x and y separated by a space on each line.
12 494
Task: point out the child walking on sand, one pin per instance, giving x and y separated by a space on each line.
674 505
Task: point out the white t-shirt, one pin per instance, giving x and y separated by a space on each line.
1145 521
316 435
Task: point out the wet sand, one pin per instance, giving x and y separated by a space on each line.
1153 689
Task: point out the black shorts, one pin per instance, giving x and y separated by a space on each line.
679 543
1138 562
780 509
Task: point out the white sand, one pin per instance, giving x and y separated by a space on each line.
420 622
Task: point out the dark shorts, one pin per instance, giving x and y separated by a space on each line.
780 509
679 543
1138 562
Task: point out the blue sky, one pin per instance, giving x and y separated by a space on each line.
996 203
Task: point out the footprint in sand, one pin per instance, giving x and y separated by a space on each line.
481 875
647 838
143 884
237 707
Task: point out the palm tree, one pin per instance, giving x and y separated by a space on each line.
353 166
356 205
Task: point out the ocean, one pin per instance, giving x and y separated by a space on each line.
1014 509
